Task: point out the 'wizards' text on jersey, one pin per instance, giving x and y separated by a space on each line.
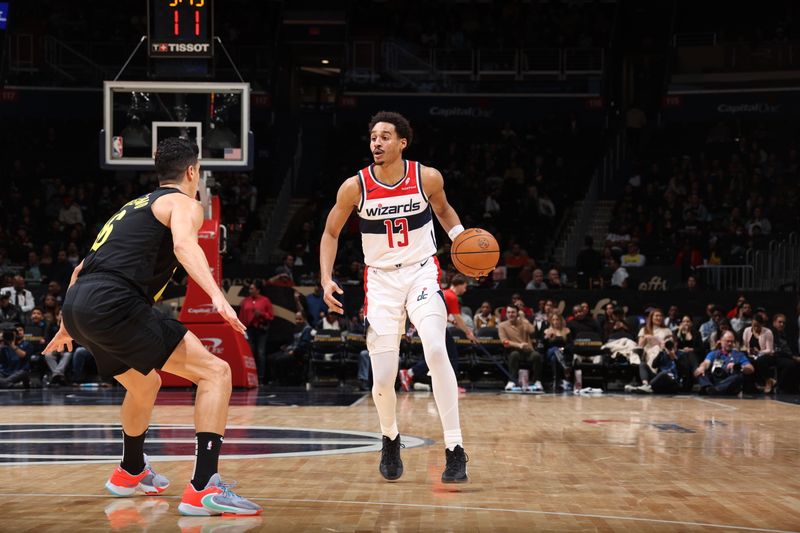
396 220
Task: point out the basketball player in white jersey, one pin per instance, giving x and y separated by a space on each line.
394 199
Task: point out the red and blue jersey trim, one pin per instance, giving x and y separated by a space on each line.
374 189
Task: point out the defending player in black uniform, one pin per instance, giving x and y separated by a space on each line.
108 309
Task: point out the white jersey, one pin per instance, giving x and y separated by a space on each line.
396 220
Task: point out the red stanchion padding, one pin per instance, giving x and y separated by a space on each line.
222 341
200 317
197 308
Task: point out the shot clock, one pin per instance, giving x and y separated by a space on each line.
180 28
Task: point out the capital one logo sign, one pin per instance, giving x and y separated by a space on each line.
213 345
204 309
754 107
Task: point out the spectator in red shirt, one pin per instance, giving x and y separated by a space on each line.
256 314
740 301
458 286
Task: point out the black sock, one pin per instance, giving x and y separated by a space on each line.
133 453
206 458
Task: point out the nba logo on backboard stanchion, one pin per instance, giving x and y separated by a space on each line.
116 147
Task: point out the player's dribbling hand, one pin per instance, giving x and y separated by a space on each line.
225 310
58 342
329 287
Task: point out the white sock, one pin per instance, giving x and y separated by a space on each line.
453 439
443 378
384 373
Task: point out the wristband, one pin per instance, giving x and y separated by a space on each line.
455 231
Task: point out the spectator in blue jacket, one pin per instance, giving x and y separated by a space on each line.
723 370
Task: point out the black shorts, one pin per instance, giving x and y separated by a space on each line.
116 322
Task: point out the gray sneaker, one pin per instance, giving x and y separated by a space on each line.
153 482
216 499
123 484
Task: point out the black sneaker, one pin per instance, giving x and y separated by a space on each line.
391 465
455 471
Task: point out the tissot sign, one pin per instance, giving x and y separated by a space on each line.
180 49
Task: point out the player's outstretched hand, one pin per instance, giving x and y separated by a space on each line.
225 310
333 304
57 343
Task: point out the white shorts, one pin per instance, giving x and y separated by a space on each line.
391 294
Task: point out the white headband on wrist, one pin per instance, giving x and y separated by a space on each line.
455 231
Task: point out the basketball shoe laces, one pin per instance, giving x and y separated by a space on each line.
390 454
456 459
226 489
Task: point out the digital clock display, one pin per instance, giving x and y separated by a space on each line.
180 28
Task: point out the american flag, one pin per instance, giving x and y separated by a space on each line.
233 153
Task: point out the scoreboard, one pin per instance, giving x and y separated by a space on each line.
180 28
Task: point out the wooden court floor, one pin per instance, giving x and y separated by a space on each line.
537 463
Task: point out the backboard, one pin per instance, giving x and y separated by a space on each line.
139 114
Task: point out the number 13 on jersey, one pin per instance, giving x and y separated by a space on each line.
399 225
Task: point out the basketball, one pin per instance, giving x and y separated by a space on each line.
475 252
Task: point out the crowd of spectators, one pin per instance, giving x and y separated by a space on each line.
724 352
692 201
54 200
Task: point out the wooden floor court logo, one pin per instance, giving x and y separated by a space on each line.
81 443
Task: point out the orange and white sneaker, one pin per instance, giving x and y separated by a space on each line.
123 484
216 499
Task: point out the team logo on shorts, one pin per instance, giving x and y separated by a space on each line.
423 295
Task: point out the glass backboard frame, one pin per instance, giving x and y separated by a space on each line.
146 163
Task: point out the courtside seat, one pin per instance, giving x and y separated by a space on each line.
486 360
588 358
327 355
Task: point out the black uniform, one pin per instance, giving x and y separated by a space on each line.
109 309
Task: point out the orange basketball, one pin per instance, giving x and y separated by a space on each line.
475 252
